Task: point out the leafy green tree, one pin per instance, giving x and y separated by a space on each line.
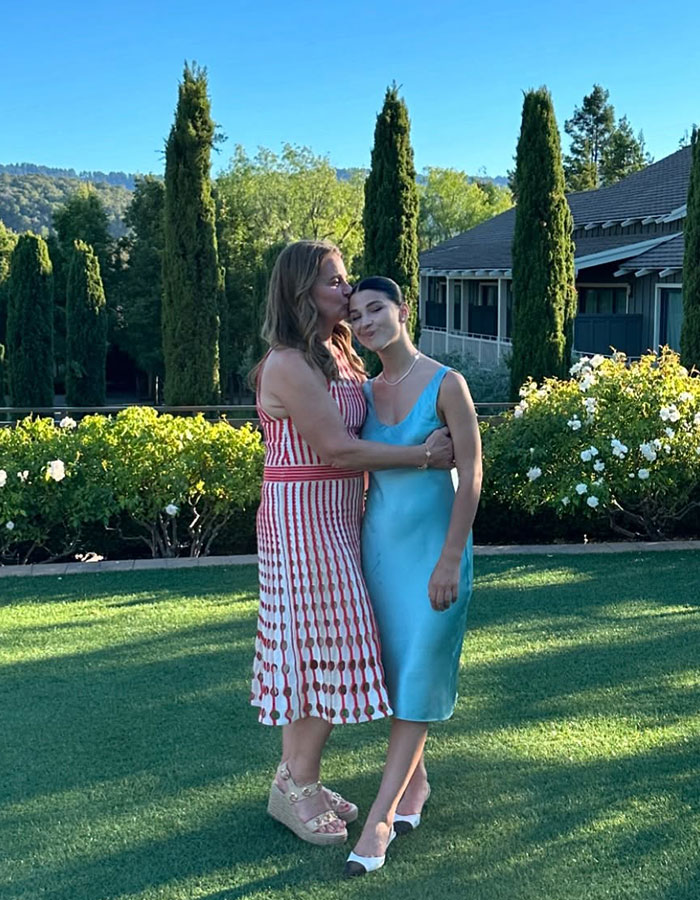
589 128
264 202
141 285
192 279
690 328
84 218
623 154
30 324
451 202
391 202
86 329
544 296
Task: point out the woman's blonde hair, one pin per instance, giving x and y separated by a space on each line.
291 316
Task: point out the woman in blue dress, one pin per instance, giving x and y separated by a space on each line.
416 553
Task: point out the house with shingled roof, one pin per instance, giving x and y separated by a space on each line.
628 242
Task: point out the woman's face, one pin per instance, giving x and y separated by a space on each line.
375 319
331 290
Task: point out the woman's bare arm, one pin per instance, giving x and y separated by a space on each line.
290 384
455 404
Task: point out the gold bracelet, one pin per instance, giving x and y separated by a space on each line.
428 454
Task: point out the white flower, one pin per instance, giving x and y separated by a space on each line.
565 500
657 443
534 473
574 423
669 413
631 475
696 418
599 465
585 455
67 422
581 489
3 478
684 396
171 509
56 470
587 381
597 360
592 501
648 451
643 474
10 526
670 432
697 450
518 412
23 475
618 448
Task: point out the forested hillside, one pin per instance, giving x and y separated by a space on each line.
27 202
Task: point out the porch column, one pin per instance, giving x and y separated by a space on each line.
422 298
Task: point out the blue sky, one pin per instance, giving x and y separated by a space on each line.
94 85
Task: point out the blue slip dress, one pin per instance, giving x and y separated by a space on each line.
403 531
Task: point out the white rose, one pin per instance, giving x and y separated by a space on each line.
592 502
585 455
684 396
670 432
597 360
581 489
23 475
10 526
599 465
171 509
565 500
67 422
643 474
3 478
534 473
56 470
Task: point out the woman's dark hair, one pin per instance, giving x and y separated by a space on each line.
382 285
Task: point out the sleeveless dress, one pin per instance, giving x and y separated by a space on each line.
316 649
403 531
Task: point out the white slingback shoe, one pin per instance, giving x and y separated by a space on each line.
361 865
407 824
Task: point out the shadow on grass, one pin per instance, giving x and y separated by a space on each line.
140 767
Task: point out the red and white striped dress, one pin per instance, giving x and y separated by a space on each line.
316 650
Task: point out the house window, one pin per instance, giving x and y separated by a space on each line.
671 311
457 306
488 295
436 304
602 301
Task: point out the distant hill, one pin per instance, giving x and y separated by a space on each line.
28 201
117 179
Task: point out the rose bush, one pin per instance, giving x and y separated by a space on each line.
174 481
618 439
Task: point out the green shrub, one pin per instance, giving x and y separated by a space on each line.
617 440
487 384
170 483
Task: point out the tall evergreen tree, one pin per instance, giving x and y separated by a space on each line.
391 203
30 324
192 279
142 282
7 244
589 128
86 329
690 328
544 296
623 154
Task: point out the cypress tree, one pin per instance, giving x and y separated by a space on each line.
192 280
30 324
690 328
390 214
86 329
544 296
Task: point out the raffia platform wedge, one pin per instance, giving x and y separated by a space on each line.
281 806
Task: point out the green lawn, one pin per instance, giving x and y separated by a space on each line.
133 766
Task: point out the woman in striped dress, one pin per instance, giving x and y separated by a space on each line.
317 658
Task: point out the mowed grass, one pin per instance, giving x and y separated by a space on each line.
134 768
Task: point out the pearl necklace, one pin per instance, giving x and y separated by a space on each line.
405 374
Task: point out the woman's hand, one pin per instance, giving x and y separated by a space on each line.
443 587
442 453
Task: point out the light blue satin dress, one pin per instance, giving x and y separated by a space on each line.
403 531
